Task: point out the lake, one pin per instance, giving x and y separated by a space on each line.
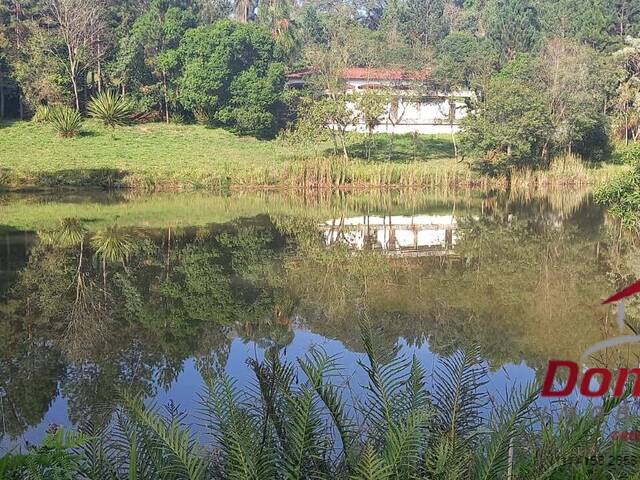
102 292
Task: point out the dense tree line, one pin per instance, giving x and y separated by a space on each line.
550 76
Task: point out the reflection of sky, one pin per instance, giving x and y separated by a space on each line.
184 390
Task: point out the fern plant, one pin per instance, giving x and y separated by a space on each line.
111 108
66 120
300 423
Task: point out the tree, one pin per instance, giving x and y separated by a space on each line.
148 60
510 129
423 21
231 72
372 105
512 26
576 81
80 24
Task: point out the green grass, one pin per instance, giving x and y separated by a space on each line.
159 156
186 157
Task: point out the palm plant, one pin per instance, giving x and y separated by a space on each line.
284 428
111 108
42 114
67 121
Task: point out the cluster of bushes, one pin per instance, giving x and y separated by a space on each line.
109 107
301 423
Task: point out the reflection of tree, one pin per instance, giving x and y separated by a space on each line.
161 307
30 368
526 286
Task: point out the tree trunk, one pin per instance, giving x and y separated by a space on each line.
20 105
74 82
99 73
1 99
166 97
626 129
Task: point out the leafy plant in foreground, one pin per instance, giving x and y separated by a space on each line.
299 423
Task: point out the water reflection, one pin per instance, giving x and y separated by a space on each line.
155 302
399 235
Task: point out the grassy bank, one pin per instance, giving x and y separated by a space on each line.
174 157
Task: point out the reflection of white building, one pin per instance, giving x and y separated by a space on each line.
416 235
414 106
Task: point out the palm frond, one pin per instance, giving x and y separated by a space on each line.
511 419
169 442
371 466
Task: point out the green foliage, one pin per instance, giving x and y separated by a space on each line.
111 108
622 197
230 71
55 459
67 121
42 114
512 26
510 129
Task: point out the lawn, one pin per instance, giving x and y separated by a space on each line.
160 156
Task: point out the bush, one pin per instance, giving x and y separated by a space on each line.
622 197
111 108
42 114
631 154
67 121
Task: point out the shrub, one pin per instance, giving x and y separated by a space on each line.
631 154
67 121
111 108
622 197
42 114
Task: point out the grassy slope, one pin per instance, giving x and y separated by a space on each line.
173 156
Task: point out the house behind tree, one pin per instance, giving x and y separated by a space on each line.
416 106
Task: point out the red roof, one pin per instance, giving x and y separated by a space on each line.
363 73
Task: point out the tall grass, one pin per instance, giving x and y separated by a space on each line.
299 422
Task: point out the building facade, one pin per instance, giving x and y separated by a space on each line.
414 107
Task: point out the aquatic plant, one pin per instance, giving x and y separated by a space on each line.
111 108
66 120
300 422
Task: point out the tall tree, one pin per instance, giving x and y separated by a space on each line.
512 26
80 26
147 59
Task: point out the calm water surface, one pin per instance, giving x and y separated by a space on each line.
197 283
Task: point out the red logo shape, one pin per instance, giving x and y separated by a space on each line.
624 293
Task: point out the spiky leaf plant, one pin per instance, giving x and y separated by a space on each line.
111 108
66 120
42 114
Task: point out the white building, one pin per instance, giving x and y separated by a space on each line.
414 107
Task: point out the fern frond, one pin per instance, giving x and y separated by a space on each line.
320 368
513 418
457 394
173 443
371 467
